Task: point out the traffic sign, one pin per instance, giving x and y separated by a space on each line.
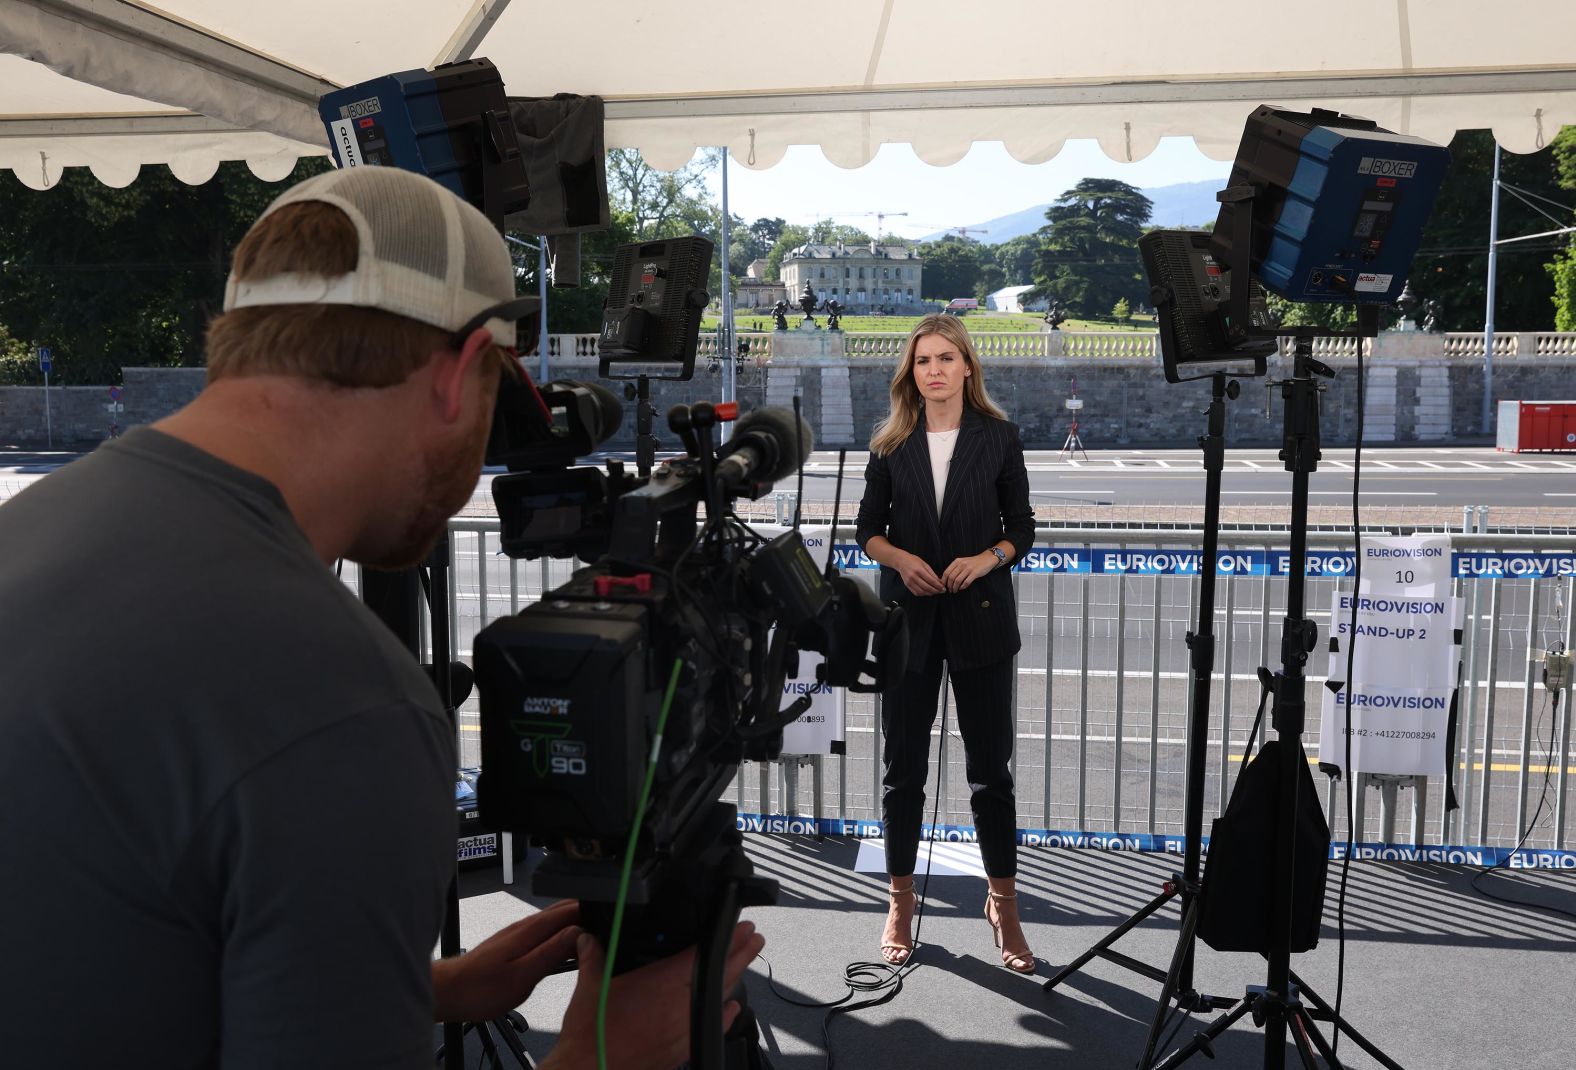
45 359
114 393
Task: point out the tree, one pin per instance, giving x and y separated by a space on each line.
578 309
767 231
743 247
991 279
1563 270
1017 258
1121 311
1451 267
659 204
1089 256
952 268
826 232
789 238
110 277
1331 317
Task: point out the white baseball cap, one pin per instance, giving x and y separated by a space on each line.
425 254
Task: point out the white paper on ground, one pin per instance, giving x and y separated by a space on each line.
947 860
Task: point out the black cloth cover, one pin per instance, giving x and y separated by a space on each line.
1238 892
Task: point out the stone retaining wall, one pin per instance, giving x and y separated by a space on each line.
1417 395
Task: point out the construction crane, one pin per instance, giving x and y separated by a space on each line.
880 217
964 232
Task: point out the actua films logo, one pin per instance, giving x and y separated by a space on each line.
1374 165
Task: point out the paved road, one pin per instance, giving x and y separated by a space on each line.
1474 476
1428 477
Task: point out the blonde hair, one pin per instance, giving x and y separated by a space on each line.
337 344
906 402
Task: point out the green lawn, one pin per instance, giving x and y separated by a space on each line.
975 321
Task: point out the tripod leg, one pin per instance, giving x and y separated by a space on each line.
489 1049
1309 1028
1173 979
1110 938
1204 1042
1297 1024
1327 1013
509 1039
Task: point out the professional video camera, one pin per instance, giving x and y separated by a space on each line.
616 709
672 644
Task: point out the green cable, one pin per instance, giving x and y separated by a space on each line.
629 865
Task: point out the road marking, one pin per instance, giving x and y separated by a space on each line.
1348 494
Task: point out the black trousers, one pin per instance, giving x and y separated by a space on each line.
984 710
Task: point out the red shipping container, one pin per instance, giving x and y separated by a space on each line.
1524 426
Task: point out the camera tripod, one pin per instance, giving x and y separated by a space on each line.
396 598
689 897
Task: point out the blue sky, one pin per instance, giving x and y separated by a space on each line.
986 183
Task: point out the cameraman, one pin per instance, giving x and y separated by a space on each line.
228 790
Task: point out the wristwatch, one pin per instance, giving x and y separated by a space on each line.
1001 555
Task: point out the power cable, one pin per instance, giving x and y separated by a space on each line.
1546 215
1543 798
878 977
629 863
1546 200
1351 651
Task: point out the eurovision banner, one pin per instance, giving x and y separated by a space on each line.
1317 564
1405 658
820 729
1143 842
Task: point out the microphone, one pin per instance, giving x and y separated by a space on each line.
767 445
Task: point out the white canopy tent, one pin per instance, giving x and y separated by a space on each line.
113 85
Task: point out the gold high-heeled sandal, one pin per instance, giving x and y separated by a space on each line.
1017 962
908 948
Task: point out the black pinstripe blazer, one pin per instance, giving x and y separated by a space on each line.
986 499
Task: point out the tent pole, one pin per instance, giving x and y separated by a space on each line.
541 289
1488 314
730 375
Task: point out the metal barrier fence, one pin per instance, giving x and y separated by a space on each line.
1101 696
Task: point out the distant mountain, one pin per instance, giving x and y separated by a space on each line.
1185 204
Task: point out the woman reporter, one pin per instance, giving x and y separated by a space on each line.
946 508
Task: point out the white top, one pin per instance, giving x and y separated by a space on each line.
942 443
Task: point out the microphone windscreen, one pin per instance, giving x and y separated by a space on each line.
792 435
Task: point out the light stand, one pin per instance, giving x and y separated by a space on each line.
1074 443
1201 643
645 441
1277 1005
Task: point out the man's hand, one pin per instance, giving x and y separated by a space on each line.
918 577
648 1010
965 570
499 973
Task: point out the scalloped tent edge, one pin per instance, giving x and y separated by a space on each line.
112 85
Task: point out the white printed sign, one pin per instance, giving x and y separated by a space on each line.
822 724
1404 656
345 144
